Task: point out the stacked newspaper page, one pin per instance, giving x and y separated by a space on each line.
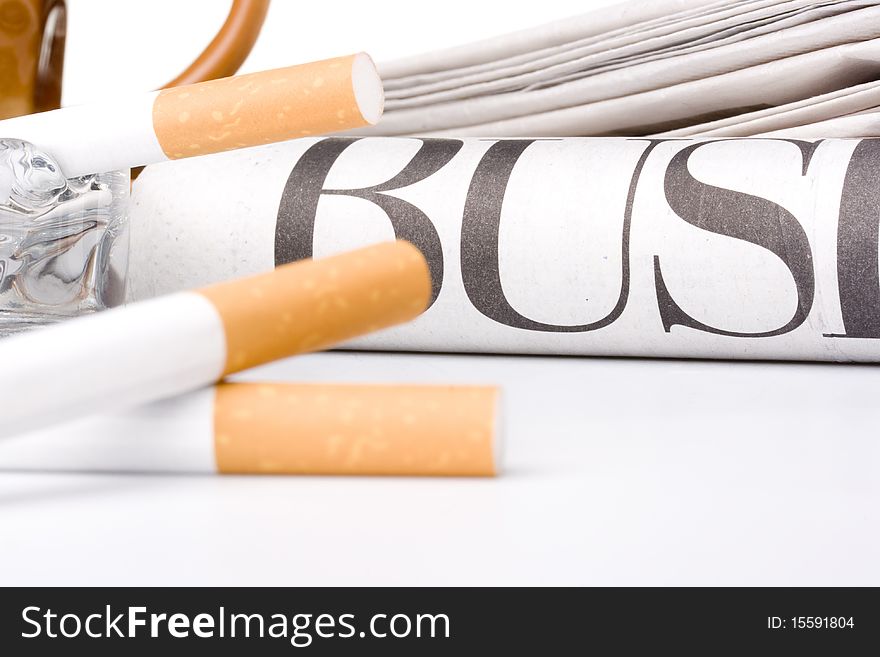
675 68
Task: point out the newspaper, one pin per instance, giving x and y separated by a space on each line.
642 68
743 248
822 108
863 123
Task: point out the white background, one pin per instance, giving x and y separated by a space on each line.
617 471
131 45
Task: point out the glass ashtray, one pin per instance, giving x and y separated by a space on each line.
63 242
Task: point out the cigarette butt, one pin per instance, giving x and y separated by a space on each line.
281 428
381 430
177 343
209 117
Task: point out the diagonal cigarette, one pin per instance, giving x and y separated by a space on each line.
281 428
209 117
177 343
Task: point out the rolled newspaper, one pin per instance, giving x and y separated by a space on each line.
764 248
167 346
281 428
209 117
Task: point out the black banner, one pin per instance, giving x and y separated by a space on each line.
419 621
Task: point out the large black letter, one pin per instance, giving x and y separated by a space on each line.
744 217
479 240
858 278
295 225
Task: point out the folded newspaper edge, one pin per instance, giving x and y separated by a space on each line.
684 64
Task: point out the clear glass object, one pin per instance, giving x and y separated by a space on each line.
63 243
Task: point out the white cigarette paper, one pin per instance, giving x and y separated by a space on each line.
163 347
755 248
209 117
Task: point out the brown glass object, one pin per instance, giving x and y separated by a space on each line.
233 43
32 35
31 55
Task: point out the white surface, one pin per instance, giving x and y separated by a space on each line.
617 472
110 136
171 435
114 359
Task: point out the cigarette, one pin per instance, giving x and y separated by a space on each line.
209 117
281 428
169 345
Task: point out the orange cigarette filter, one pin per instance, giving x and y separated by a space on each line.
356 430
312 304
267 107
